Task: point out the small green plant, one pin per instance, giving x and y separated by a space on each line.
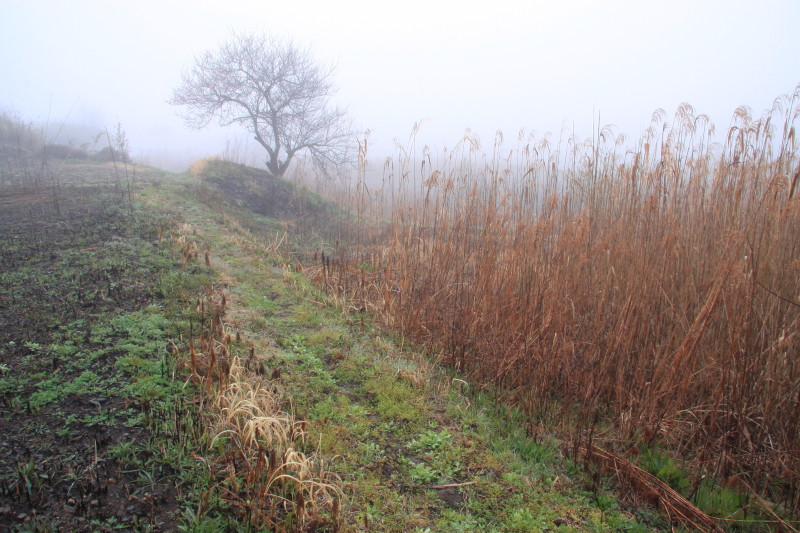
523 520
327 409
532 451
431 442
43 397
102 418
720 501
32 346
11 386
372 452
664 468
393 398
295 343
199 522
29 477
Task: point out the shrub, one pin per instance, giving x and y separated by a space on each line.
62 151
109 154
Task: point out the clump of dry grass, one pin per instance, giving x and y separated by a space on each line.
654 287
274 480
198 167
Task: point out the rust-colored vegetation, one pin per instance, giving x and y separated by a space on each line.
649 293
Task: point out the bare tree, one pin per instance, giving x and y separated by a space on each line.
275 90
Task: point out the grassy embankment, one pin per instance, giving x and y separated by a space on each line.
413 446
164 368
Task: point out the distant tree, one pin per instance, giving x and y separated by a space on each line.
276 91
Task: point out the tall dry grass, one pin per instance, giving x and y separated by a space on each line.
652 285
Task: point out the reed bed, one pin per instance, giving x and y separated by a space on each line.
650 289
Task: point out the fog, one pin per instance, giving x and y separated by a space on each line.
538 66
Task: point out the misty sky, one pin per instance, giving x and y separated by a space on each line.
489 65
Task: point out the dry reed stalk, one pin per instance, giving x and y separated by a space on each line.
674 505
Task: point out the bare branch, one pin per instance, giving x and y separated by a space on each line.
276 91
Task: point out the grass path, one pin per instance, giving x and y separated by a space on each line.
415 448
